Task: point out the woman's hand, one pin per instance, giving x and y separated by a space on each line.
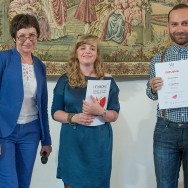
83 119
93 108
47 149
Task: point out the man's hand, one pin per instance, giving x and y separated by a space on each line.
156 84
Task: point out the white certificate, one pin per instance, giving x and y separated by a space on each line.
100 90
174 92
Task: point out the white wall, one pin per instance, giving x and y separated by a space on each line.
133 138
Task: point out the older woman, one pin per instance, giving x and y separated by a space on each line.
23 105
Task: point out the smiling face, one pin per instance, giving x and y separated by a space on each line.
178 26
27 46
87 53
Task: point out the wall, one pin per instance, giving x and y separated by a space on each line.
132 150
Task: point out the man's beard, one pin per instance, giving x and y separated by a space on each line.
180 41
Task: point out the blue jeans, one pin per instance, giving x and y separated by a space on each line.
18 153
170 150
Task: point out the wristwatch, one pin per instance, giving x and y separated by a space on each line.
103 113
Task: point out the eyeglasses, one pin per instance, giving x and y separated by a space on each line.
31 37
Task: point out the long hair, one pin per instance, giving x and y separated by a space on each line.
75 76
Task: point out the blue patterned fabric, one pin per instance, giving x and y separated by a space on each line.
174 53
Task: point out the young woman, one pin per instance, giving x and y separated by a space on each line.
85 152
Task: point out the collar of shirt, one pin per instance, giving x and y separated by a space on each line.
177 49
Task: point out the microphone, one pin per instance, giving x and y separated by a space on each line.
44 158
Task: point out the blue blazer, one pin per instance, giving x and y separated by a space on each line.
11 93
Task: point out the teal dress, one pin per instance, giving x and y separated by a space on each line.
85 152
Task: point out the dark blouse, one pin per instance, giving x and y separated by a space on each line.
85 152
